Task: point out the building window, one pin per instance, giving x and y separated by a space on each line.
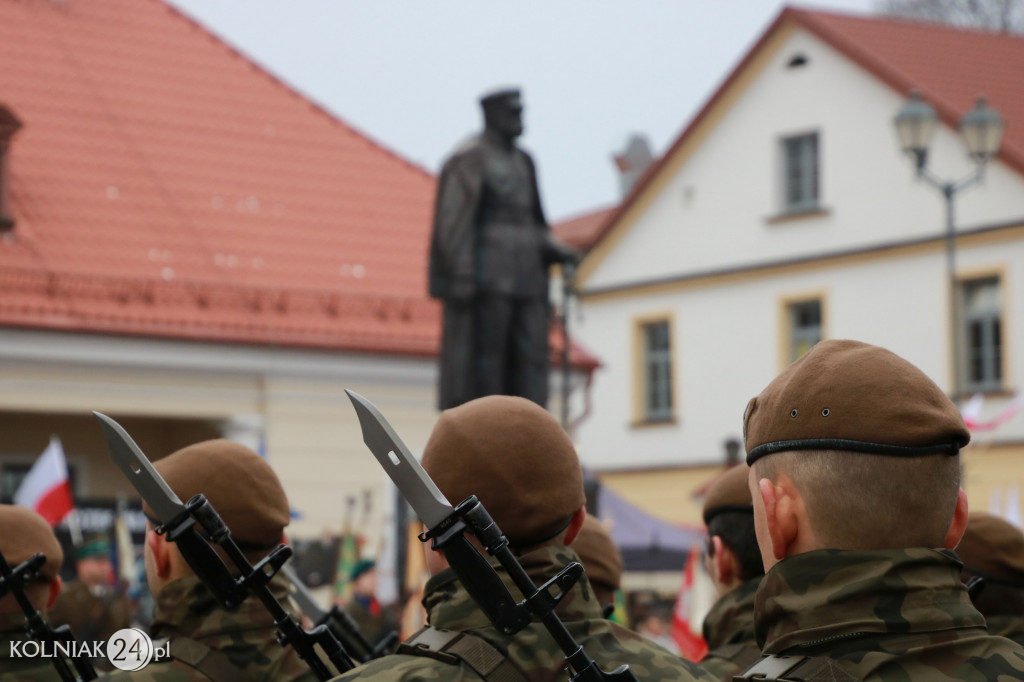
657 371
982 350
11 476
800 173
804 319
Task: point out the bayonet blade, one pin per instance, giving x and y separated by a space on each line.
139 471
401 466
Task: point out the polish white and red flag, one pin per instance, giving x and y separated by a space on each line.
46 488
685 626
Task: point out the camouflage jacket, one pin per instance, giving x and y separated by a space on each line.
885 615
18 669
532 651
729 632
1010 627
244 637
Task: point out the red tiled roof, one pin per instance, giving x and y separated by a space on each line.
582 231
949 66
164 185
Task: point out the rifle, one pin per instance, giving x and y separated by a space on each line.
447 527
195 527
341 623
13 581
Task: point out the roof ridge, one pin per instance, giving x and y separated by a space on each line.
295 92
921 23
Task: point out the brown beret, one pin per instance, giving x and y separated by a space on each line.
600 557
515 457
851 396
993 548
239 484
729 492
24 533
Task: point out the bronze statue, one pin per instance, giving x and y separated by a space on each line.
489 258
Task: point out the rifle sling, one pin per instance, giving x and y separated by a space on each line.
795 669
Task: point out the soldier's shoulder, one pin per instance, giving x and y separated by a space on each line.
405 668
649 661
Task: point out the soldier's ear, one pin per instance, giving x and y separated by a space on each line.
959 524
724 562
780 516
161 553
575 523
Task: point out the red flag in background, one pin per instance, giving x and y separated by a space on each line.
46 488
691 644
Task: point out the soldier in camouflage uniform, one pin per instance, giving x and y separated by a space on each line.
734 565
24 533
993 550
205 641
857 506
91 606
519 462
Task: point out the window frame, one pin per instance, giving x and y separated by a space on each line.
962 364
642 414
810 182
785 329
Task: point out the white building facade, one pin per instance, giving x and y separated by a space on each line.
783 215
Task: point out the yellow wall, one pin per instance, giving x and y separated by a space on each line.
674 495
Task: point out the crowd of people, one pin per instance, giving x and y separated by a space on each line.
842 550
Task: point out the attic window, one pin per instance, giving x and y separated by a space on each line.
797 60
9 125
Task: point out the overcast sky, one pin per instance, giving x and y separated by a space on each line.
408 73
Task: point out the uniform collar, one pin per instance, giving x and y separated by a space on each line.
449 605
187 607
843 593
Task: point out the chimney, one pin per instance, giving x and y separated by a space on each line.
9 125
634 160
732 452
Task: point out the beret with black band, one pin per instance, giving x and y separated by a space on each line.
853 397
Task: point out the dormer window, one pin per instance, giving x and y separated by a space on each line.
9 124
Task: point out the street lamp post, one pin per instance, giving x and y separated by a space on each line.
982 130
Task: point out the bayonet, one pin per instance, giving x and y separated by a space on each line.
401 466
139 471
193 526
447 527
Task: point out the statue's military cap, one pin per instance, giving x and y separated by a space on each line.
24 533
240 485
728 492
515 457
508 96
854 397
601 559
993 548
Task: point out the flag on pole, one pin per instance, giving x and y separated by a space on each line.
691 644
348 555
620 614
46 488
124 566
